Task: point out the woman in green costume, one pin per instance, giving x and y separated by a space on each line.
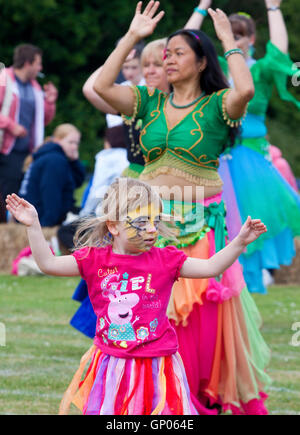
246 170
182 136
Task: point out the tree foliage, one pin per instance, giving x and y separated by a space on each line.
77 36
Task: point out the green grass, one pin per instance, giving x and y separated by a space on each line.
42 350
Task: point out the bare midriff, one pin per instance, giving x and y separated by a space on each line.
181 189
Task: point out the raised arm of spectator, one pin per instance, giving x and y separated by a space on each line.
93 97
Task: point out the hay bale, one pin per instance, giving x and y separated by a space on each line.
290 274
13 238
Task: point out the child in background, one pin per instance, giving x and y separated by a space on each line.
54 175
135 367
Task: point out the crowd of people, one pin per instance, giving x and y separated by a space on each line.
177 224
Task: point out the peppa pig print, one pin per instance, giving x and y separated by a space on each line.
120 316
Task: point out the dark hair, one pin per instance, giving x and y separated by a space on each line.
115 136
25 53
138 49
139 46
212 78
242 24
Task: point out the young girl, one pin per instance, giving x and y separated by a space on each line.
135 366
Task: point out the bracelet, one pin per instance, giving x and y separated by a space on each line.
273 8
233 51
201 11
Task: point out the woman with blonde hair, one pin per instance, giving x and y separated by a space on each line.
54 174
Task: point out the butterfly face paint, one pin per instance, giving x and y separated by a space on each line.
142 226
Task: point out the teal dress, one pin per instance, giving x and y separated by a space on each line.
252 185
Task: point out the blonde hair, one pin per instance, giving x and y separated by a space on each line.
63 130
154 48
60 132
123 196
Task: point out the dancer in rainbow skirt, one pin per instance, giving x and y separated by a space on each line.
252 184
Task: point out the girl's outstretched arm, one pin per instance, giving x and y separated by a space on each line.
217 264
49 264
121 98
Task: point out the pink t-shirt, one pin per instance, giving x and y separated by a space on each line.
130 296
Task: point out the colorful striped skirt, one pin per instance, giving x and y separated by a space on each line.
132 386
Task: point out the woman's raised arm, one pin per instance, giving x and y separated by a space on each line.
277 27
243 90
196 19
120 97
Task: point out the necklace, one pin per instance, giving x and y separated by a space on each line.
185 105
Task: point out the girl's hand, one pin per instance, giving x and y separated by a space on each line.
273 3
21 210
251 230
222 25
143 24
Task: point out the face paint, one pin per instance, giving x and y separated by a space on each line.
142 226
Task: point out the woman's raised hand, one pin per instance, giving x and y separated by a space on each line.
273 3
205 4
144 23
21 210
222 25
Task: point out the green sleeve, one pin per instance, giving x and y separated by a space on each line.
274 68
145 97
221 109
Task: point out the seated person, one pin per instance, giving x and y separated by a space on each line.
54 174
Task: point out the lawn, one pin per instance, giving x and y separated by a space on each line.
41 350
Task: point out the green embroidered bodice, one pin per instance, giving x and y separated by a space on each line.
191 148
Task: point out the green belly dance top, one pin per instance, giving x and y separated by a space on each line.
190 149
